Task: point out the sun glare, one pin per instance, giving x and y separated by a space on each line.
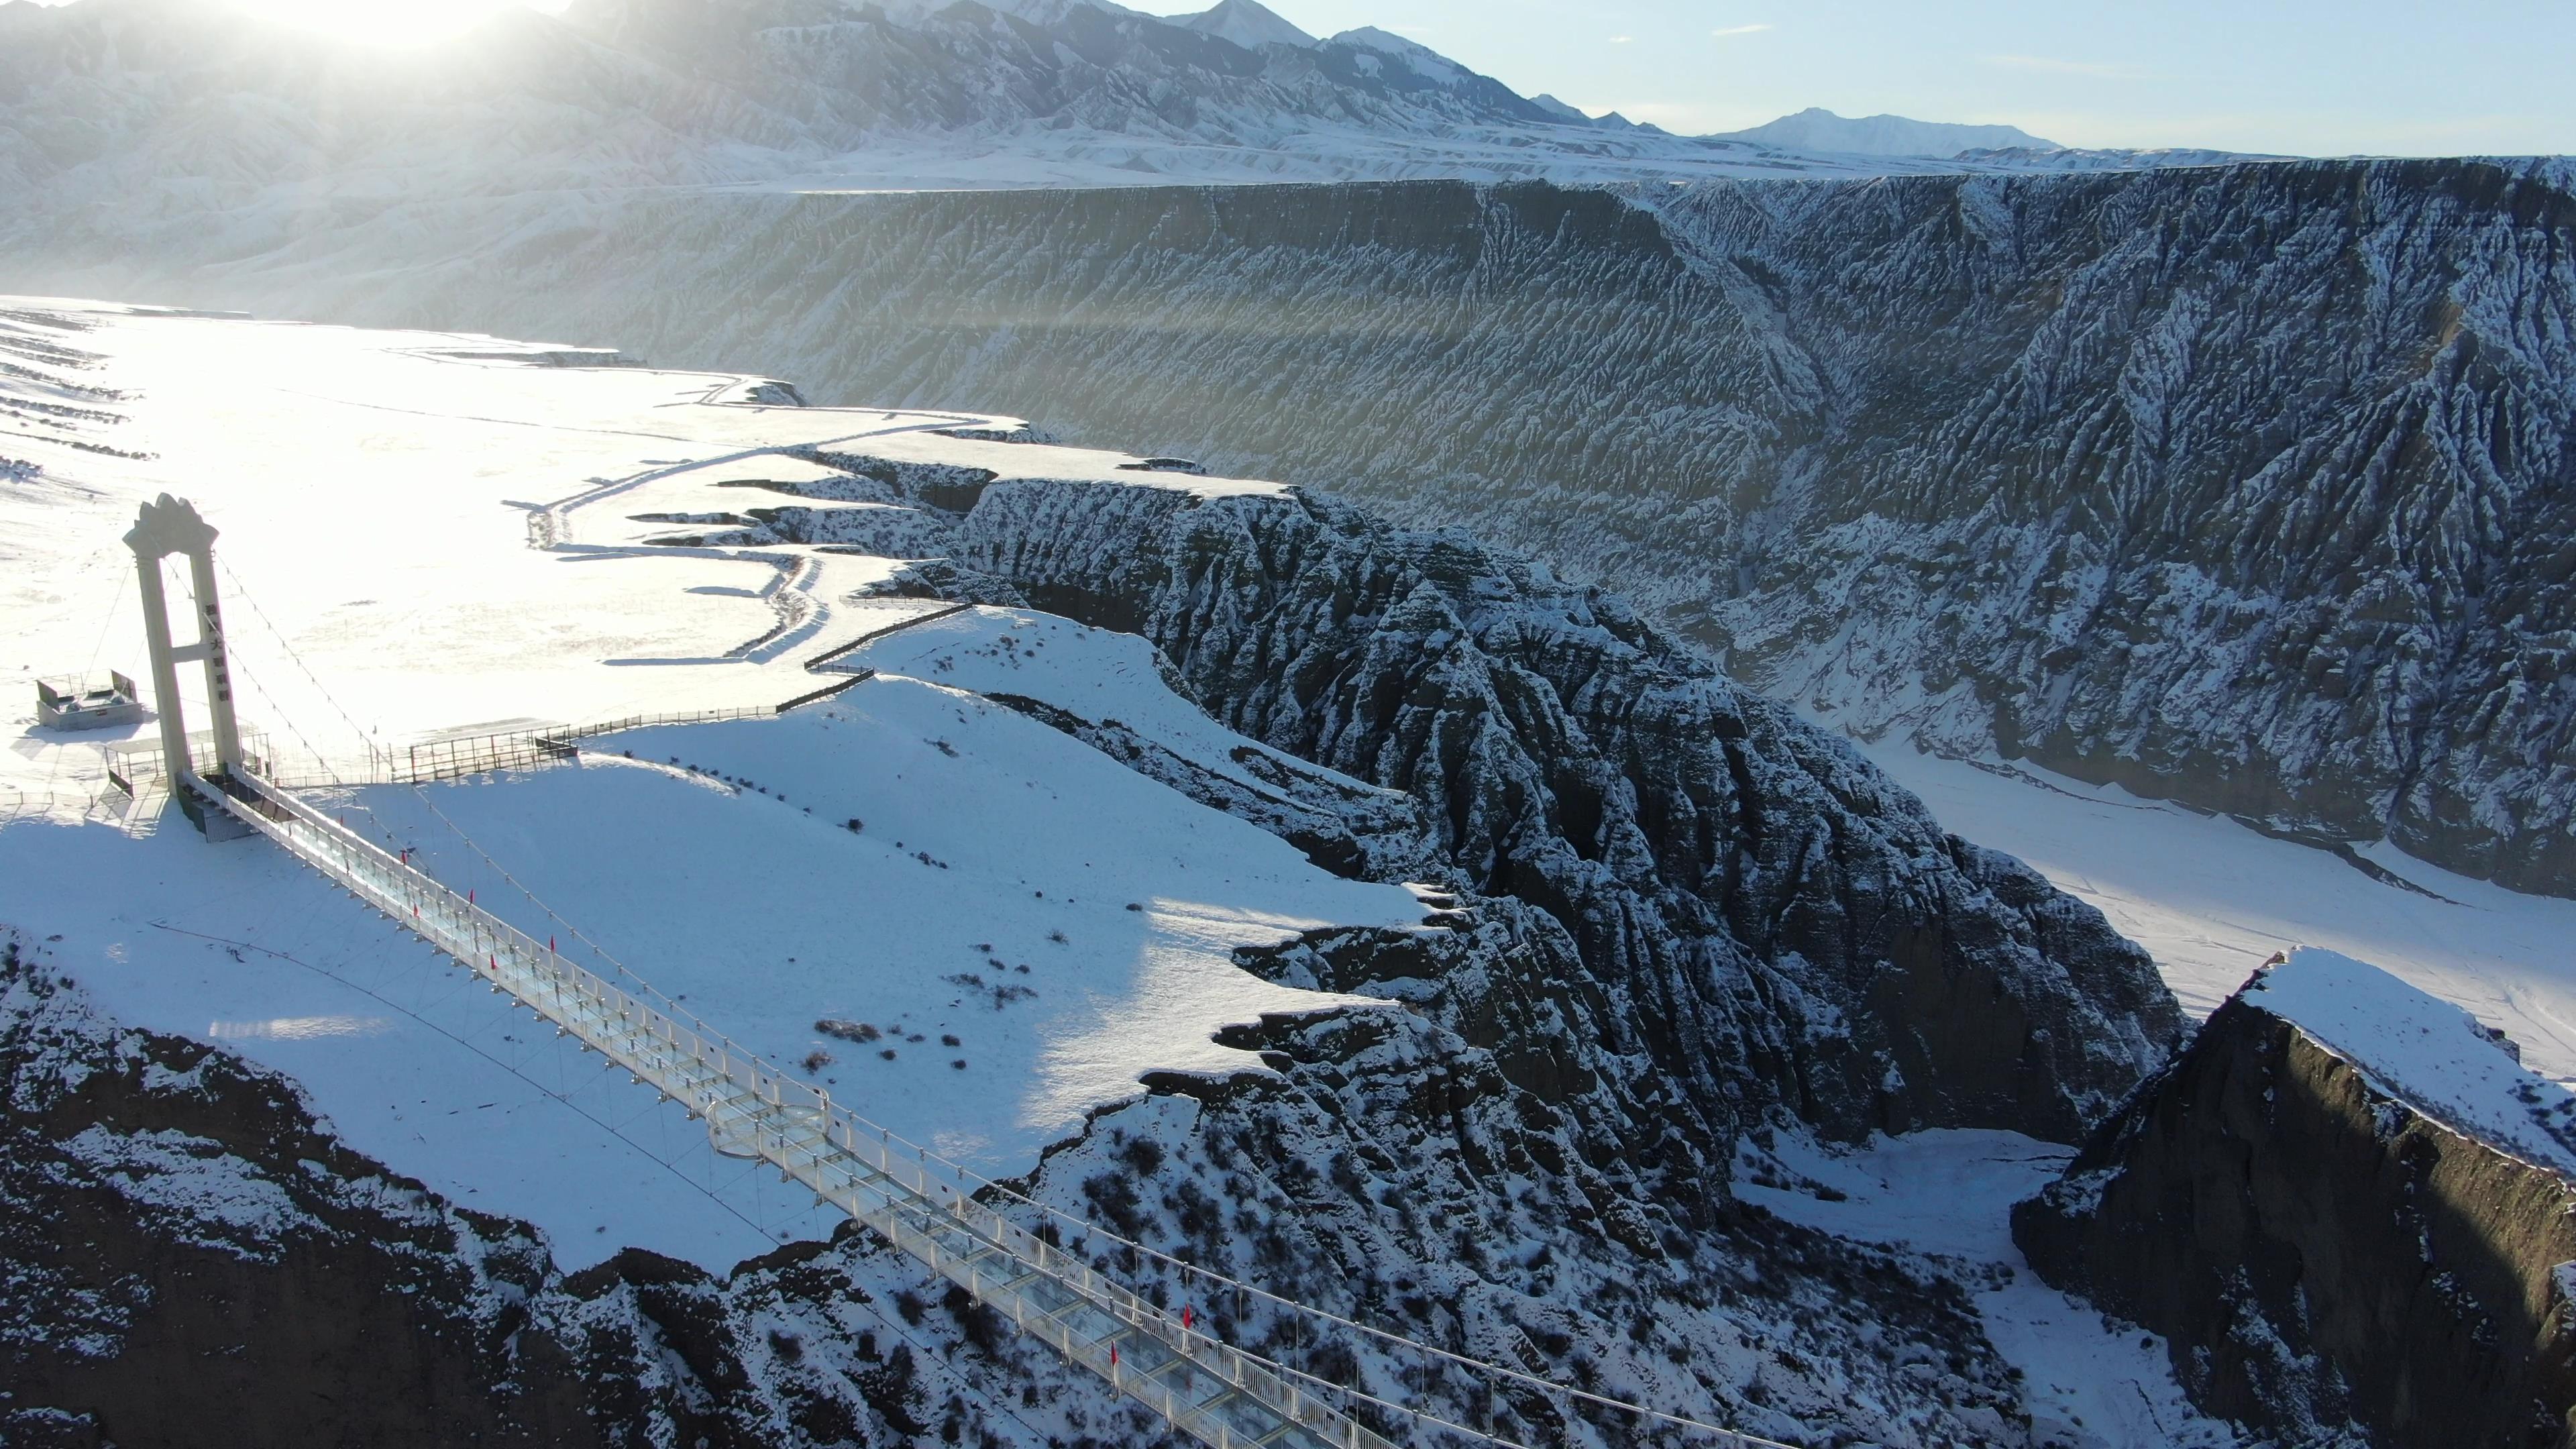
380 22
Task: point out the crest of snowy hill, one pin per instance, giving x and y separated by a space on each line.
209 110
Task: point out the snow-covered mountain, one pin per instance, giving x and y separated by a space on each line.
165 107
1247 23
1817 129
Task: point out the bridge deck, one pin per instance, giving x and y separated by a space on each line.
1209 1389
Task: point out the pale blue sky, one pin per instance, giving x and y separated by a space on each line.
2468 76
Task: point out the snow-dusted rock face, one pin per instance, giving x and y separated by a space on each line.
2245 486
2249 487
2349 1211
1762 921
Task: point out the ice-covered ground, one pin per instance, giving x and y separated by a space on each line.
1023 926
2092 1383
2213 900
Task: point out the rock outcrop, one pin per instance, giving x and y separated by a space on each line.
191 1259
2332 1258
1768 919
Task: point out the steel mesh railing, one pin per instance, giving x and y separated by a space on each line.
1212 1390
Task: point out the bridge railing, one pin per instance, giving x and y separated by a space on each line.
755 1109
429 761
450 759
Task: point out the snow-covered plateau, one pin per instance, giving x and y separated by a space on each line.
1362 912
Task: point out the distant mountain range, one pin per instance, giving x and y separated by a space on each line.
1817 129
124 99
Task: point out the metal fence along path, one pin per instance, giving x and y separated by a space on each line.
1211 1390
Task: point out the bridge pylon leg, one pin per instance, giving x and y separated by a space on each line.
165 526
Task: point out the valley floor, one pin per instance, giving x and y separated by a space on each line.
1948 1195
2212 900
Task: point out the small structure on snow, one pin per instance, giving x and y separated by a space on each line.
83 702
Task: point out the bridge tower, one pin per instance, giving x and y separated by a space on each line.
163 527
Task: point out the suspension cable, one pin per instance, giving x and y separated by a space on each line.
1088 1229
243 671
1188 1270
242 591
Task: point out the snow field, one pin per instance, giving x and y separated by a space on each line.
982 914
379 494
1091 673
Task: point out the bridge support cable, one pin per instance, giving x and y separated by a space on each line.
1211 1390
1215 1392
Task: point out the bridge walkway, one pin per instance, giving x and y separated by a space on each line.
1211 1390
